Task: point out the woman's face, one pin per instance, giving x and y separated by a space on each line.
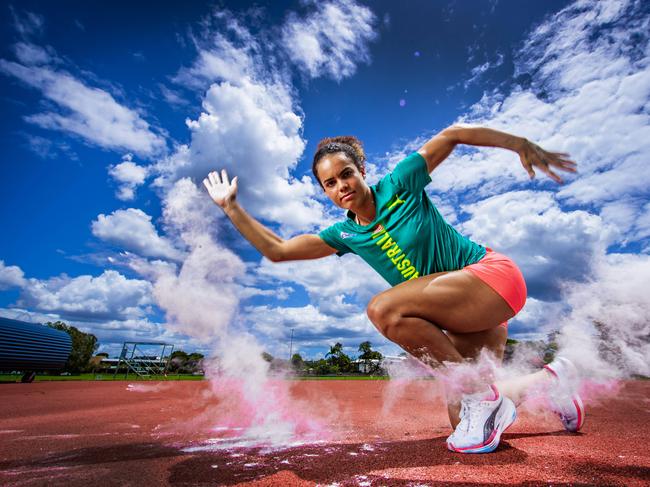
342 181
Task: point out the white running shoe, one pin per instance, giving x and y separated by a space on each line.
565 401
482 421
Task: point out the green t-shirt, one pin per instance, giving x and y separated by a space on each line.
408 238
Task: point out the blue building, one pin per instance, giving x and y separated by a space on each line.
29 347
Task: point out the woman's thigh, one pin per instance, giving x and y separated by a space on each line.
470 345
456 301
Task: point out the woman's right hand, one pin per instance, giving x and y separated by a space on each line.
533 156
222 191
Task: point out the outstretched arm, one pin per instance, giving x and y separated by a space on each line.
224 193
531 155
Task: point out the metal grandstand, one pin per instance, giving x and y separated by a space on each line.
144 359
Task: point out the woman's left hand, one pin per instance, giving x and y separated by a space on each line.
533 156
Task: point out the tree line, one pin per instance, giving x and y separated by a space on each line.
84 345
335 362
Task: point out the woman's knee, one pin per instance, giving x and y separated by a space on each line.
383 314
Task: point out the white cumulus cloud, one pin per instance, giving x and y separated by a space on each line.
331 40
550 245
325 279
107 296
90 113
249 125
132 230
251 130
129 176
311 328
11 276
584 90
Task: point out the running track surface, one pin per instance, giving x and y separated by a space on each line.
94 433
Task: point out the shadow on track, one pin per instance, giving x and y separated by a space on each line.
94 456
604 474
328 463
346 464
514 436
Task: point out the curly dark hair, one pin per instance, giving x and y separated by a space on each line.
348 144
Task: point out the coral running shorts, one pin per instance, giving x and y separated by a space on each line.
501 274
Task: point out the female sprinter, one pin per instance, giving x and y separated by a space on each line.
451 297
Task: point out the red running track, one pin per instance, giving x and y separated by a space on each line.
94 433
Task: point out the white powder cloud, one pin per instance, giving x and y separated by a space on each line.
200 300
608 332
200 296
187 212
132 230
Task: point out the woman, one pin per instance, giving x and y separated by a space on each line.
451 297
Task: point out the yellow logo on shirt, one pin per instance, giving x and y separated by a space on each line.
394 253
392 204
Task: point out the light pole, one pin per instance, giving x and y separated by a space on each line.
291 346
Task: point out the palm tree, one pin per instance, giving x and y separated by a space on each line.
338 358
335 352
366 349
367 355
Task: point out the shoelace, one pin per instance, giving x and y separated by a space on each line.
465 419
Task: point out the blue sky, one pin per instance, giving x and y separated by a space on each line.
114 113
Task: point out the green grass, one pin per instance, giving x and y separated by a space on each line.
341 377
133 377
172 377
98 377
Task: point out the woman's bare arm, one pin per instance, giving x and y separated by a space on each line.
224 192
438 148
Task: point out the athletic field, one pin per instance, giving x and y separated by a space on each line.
113 433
